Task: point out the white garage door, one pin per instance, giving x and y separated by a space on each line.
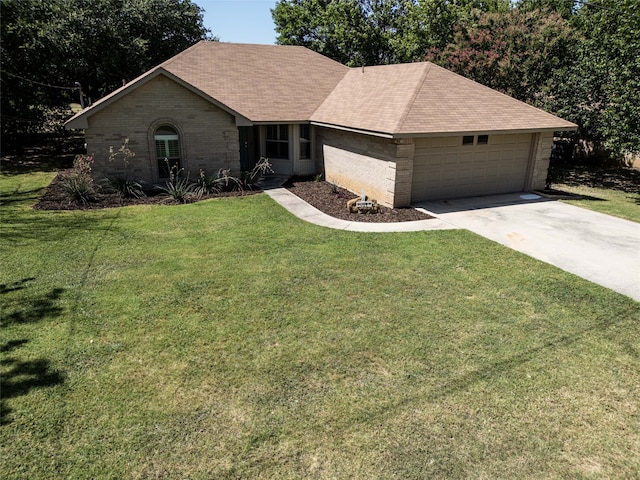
445 168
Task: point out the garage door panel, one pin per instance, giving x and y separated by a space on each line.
467 158
453 170
436 159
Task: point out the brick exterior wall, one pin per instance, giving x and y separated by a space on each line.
405 153
384 167
380 166
208 134
541 155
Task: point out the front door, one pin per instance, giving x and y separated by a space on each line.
243 135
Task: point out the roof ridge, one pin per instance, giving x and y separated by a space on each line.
172 59
331 92
416 91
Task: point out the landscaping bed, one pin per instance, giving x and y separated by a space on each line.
322 195
55 198
332 200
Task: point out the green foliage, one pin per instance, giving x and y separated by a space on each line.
373 32
206 184
227 182
124 187
178 187
608 75
79 185
96 43
524 54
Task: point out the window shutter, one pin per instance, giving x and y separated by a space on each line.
173 148
160 152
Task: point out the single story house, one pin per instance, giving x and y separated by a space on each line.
403 133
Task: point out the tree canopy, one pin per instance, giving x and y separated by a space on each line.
49 45
576 58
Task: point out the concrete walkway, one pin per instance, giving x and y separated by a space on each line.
306 212
592 245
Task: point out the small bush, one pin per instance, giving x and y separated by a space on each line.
179 189
79 186
227 182
262 167
124 187
124 152
206 185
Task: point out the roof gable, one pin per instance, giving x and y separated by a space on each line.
79 120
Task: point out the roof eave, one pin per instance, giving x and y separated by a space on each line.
509 131
506 131
352 129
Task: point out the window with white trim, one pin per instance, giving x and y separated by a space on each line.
277 141
167 149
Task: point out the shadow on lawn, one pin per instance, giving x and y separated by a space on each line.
37 159
20 227
29 310
18 197
614 178
20 376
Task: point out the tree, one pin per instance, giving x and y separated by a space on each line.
55 43
608 75
566 8
374 32
349 31
521 53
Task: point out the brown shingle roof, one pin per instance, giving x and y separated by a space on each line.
276 83
423 98
264 83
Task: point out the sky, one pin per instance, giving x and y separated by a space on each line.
239 21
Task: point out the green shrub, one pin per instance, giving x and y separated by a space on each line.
79 186
124 187
179 189
227 182
206 185
223 181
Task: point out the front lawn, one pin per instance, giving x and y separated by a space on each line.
228 339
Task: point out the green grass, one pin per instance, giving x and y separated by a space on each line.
612 202
228 339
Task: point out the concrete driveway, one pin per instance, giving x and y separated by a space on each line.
594 246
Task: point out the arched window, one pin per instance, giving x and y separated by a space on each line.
167 149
